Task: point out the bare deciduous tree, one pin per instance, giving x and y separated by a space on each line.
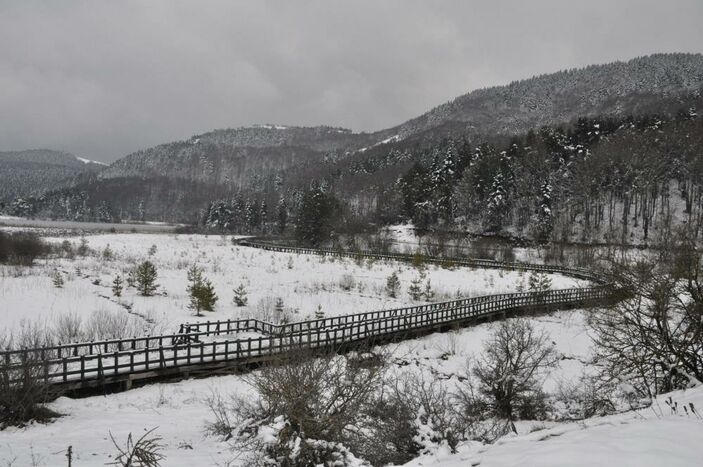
505 383
652 341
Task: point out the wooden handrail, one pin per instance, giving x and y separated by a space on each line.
90 361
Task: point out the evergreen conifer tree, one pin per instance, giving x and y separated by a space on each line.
415 289
117 286
201 291
282 215
393 285
57 280
240 296
145 278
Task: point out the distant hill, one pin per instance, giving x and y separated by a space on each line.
173 180
33 172
236 156
242 156
654 83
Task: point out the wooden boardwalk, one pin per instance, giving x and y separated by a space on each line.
209 347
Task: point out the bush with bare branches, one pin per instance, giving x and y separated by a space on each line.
505 383
412 415
650 342
307 411
24 385
144 452
21 248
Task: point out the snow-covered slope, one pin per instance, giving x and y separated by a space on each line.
618 88
653 437
651 83
25 173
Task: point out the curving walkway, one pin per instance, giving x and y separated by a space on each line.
209 347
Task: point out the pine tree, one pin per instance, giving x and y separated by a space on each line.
145 277
140 211
240 296
428 292
218 216
238 213
207 296
57 280
83 249
201 291
393 285
278 310
545 219
443 175
252 215
319 314
312 224
263 215
107 253
104 213
282 215
539 282
415 289
117 286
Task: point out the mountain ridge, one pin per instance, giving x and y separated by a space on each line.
613 89
270 161
33 172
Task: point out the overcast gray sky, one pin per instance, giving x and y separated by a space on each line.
102 79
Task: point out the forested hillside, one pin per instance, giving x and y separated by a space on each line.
599 180
608 153
33 172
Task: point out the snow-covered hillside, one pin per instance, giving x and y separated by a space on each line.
32 172
653 437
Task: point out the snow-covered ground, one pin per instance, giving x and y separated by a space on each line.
652 437
648 437
178 410
305 283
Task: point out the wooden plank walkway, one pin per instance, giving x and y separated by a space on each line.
214 346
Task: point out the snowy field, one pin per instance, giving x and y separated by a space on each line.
649 437
23 223
306 284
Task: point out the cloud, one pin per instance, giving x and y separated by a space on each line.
102 79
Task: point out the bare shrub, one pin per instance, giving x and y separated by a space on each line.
144 452
21 248
412 415
68 328
381 243
305 413
505 383
223 411
104 324
24 385
347 282
585 398
271 309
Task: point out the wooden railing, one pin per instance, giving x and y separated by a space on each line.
578 273
96 363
